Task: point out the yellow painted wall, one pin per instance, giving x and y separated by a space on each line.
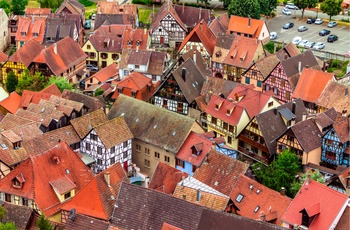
313 157
92 49
14 67
57 217
5 169
276 103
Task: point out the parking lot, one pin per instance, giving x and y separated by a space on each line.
341 46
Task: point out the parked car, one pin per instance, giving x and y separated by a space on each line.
296 40
324 32
273 35
286 11
302 28
310 20
288 25
332 24
319 45
87 24
291 6
93 16
303 43
332 38
310 44
92 67
318 21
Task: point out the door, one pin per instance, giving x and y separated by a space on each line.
125 165
161 39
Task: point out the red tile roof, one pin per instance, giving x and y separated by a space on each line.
106 73
311 84
330 201
136 36
31 25
37 178
3 57
27 52
240 25
221 172
271 203
96 199
201 33
111 7
11 103
165 178
342 128
52 89
167 226
185 153
37 11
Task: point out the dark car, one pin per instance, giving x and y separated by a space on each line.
332 38
310 20
288 25
87 24
324 32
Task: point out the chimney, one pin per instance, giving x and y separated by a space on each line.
55 48
56 160
248 21
343 112
200 13
107 178
283 191
198 195
292 123
183 7
275 111
184 74
109 29
299 67
200 25
307 66
293 107
195 57
98 8
145 30
304 116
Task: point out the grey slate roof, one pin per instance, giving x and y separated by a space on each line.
308 135
19 215
89 102
152 124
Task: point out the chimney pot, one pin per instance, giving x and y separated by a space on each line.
194 57
299 67
107 178
283 191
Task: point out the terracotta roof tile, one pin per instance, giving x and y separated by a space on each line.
37 11
62 185
27 52
73 6
344 220
139 38
52 89
20 215
10 121
342 128
81 124
331 203
167 226
11 103
116 8
221 172
3 57
165 178
199 61
240 25
31 25
60 102
311 84
32 97
90 103
217 28
191 16
86 222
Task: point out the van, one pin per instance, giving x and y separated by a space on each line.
93 16
87 24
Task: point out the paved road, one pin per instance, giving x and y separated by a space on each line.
341 46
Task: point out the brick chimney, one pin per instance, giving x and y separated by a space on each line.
107 178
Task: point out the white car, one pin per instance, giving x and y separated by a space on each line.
303 43
273 35
93 16
319 45
318 21
296 40
286 11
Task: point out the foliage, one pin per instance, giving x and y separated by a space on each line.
280 173
18 6
146 2
61 83
335 63
2 212
13 50
345 19
53 4
331 7
99 92
303 4
267 6
6 6
44 224
34 82
7 226
244 8
86 2
314 175
11 82
270 47
225 3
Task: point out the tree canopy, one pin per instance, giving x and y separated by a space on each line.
267 6
280 173
34 82
331 7
314 175
53 4
7 226
44 224
303 4
11 82
247 8
6 6
61 83
18 6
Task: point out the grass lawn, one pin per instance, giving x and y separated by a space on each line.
144 15
33 4
89 10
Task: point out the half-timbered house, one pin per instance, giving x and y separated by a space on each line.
72 7
336 144
284 77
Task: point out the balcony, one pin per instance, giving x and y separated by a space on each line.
220 129
253 143
253 155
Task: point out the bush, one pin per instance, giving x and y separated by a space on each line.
345 19
335 64
285 2
86 3
273 14
270 47
330 70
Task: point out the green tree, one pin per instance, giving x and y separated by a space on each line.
53 4
99 92
314 175
244 8
44 224
7 226
11 82
303 4
267 6
61 83
34 82
331 7
18 6
280 173
6 6
2 213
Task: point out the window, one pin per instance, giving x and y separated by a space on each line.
137 66
247 80
180 163
67 195
213 120
125 144
125 155
287 95
270 104
225 126
259 84
330 155
88 146
254 73
99 162
133 94
113 149
229 139
290 138
256 209
104 55
194 168
156 155
99 150
273 79
112 160
147 151
138 148
329 142
147 163
166 159
239 198
275 90
283 83
115 57
88 47
92 55
93 137
230 129
24 201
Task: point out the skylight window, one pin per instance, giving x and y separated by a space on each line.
3 146
239 198
256 209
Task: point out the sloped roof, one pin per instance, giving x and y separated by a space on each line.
335 95
3 57
326 118
31 25
97 199
27 52
217 28
287 51
91 103
199 60
60 27
17 214
10 121
240 25
11 103
60 102
201 33
116 8
86 222
330 201
270 202
311 84
40 190
138 37
267 64
37 11
152 124
191 16
85 123
72 5
125 20
29 97
342 128
113 132
52 89
186 154
156 63
106 73
68 53
221 172
165 178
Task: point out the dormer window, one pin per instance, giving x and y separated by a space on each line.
23 34
120 90
138 43
17 145
18 181
133 93
197 149
35 35
129 42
